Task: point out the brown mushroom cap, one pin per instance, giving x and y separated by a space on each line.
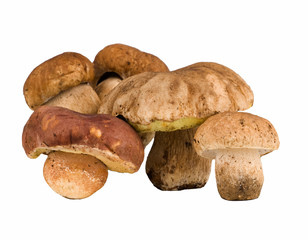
185 97
103 136
126 61
74 176
56 75
230 130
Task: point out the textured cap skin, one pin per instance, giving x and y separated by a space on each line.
55 75
74 176
235 130
103 136
199 91
126 61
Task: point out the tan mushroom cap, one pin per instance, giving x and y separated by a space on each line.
74 176
55 75
126 61
233 130
105 137
185 97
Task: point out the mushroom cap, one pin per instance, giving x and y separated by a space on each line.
185 97
74 176
230 130
126 61
55 75
105 137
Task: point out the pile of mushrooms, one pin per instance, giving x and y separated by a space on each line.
93 117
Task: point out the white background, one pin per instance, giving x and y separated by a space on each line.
265 42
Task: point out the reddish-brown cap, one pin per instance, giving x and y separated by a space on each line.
105 137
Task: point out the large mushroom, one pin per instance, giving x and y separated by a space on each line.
105 137
116 62
237 140
177 102
54 130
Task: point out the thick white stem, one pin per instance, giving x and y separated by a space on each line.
239 174
81 98
173 163
74 176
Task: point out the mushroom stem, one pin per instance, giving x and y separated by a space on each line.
173 164
239 174
74 176
81 98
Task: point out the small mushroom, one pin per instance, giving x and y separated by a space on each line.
237 140
117 62
173 104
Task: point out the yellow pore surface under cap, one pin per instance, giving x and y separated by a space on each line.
166 126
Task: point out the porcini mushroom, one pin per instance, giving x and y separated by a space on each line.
177 101
62 80
105 137
237 140
116 62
